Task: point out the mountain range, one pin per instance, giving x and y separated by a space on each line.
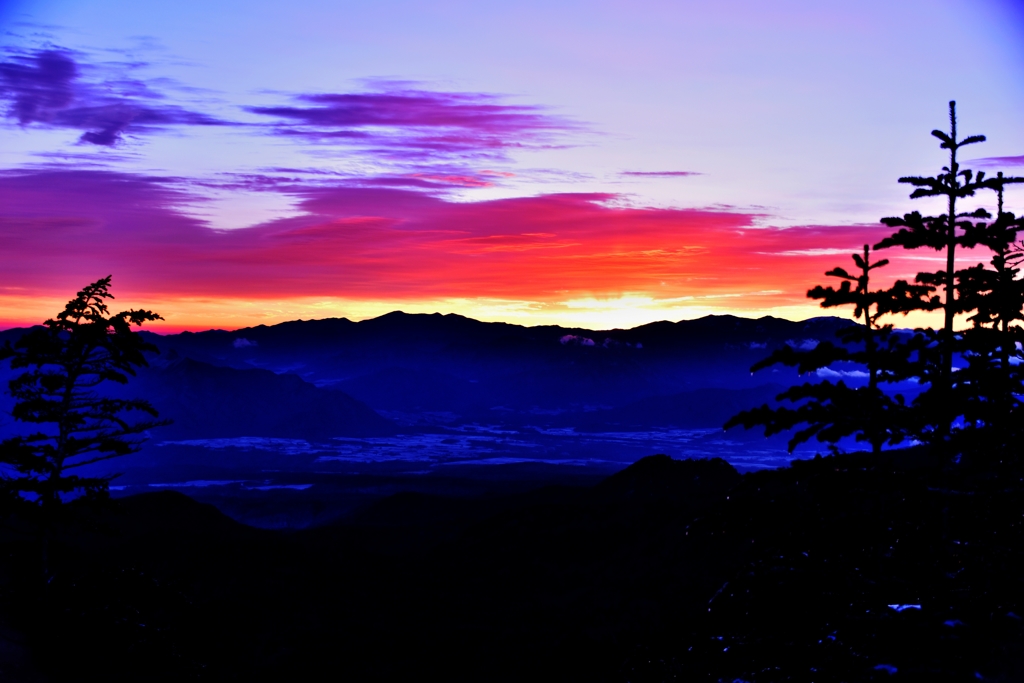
336 377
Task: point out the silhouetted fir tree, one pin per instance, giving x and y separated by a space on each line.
988 385
996 295
939 406
973 408
67 359
834 410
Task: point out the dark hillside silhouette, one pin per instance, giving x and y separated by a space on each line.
833 569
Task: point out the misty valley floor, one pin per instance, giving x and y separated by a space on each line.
296 483
845 569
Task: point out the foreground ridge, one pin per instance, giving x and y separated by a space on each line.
840 568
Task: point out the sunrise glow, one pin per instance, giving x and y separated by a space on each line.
310 186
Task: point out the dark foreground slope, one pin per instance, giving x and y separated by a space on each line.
842 568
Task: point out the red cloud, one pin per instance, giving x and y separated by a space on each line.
63 229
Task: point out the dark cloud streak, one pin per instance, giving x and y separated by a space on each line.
661 174
38 87
47 88
409 124
426 139
999 161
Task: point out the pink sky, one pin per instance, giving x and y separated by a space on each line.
599 165
402 247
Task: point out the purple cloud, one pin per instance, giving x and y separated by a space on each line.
999 161
419 124
394 121
661 174
437 179
46 88
38 87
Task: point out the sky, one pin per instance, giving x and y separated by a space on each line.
598 164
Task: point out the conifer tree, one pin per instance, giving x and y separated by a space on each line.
830 410
950 393
988 385
959 408
67 360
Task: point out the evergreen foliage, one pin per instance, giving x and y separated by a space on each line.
66 361
971 379
834 410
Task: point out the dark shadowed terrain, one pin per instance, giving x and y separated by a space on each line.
836 569
434 498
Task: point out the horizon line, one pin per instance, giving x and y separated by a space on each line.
6 326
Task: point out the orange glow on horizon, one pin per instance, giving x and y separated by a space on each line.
622 313
567 259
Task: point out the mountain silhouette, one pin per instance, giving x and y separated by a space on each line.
419 362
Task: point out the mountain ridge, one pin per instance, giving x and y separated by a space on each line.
487 372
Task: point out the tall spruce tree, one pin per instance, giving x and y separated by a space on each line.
953 397
959 408
988 384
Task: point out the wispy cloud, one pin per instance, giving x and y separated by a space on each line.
404 122
39 87
435 179
392 134
999 161
50 88
660 174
